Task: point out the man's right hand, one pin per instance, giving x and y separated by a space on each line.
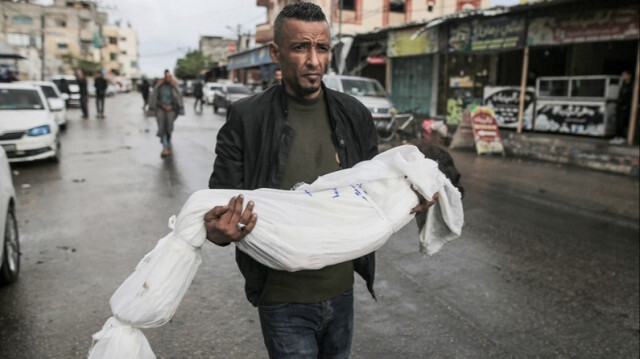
222 222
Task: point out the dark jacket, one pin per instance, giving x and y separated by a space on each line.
101 86
253 148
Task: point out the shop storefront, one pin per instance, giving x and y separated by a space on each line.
414 65
597 46
481 66
252 67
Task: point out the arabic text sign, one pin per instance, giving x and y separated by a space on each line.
505 102
579 117
601 25
502 33
485 131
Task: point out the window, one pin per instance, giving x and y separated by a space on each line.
123 39
63 45
18 39
19 99
113 56
22 20
123 52
134 64
61 23
49 92
85 23
113 40
348 5
397 6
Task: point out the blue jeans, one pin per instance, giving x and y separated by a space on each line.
315 330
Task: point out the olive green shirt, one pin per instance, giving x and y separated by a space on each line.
312 154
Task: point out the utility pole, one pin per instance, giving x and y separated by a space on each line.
42 45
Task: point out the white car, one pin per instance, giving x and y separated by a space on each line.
209 89
10 244
28 129
56 102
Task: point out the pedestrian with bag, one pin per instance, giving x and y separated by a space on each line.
167 103
101 90
287 134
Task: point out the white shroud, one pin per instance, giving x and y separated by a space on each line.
339 217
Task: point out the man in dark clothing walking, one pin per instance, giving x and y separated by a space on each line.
82 84
144 90
101 90
198 93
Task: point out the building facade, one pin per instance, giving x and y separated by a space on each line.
52 38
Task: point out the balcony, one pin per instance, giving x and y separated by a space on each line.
264 33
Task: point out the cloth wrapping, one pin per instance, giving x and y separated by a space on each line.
340 216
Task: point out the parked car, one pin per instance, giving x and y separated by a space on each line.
91 89
209 89
10 244
228 94
54 98
28 129
68 86
368 91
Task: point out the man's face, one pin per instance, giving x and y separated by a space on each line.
277 75
303 52
167 77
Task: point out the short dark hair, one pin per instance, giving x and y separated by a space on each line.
304 11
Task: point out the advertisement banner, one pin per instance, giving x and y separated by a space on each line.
460 37
485 131
505 102
592 26
404 43
576 117
503 33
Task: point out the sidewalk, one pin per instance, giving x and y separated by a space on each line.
580 151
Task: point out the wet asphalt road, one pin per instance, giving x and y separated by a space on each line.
547 266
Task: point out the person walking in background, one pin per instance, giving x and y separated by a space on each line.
144 90
277 78
82 84
167 103
623 108
198 93
101 90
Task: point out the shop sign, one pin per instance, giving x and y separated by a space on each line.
576 117
505 102
503 33
252 58
408 42
600 25
485 131
498 34
460 81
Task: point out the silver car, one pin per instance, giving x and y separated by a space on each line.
228 94
368 91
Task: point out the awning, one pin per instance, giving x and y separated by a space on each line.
6 52
250 58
